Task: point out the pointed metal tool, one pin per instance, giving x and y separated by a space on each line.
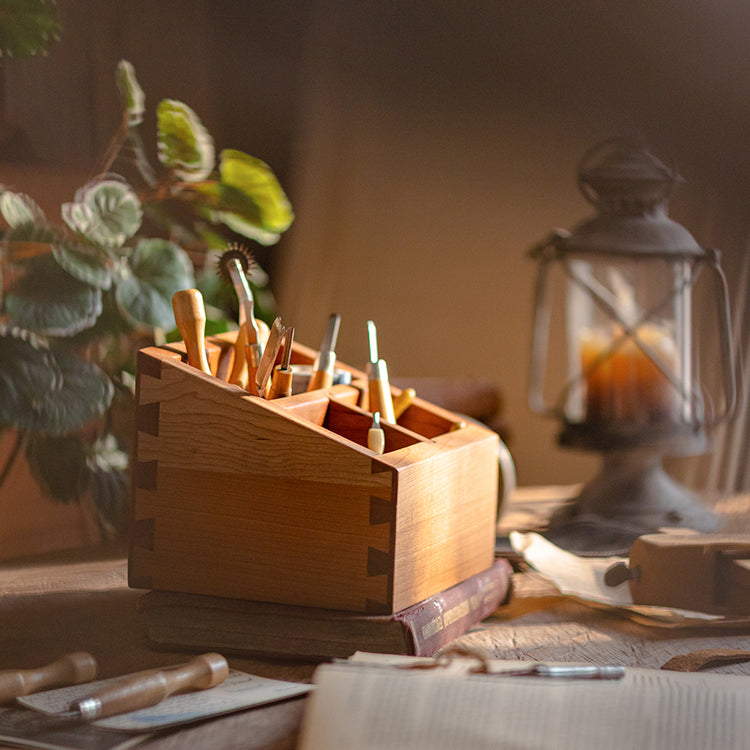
378 389
325 362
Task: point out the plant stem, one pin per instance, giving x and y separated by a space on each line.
113 149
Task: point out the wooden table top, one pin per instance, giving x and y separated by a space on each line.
80 600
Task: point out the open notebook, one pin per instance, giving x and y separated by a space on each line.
365 706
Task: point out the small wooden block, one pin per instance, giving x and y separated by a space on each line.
699 572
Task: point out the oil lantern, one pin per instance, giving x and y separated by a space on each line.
620 348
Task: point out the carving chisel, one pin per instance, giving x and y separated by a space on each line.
71 669
233 266
253 349
325 362
281 379
268 360
190 316
144 689
378 387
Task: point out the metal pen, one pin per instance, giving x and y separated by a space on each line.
568 671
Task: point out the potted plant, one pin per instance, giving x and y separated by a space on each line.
80 294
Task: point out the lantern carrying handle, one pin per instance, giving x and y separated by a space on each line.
727 353
544 252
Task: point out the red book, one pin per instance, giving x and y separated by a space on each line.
196 621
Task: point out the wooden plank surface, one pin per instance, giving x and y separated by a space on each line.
80 600
541 624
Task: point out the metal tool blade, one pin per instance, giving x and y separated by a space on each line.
278 329
332 332
372 337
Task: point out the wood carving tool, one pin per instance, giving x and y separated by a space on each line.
281 379
190 316
325 362
378 387
70 669
699 572
403 401
234 264
147 688
376 435
268 360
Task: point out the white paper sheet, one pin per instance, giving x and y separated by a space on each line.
365 707
238 691
583 578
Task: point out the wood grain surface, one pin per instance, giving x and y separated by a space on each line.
80 600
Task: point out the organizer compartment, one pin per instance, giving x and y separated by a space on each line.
282 501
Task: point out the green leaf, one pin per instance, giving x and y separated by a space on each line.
30 233
131 94
59 465
107 465
255 179
226 204
18 209
86 393
158 269
27 27
238 224
50 301
184 145
106 212
27 372
87 263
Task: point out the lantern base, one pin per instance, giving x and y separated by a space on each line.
632 495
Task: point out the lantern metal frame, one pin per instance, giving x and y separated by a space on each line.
632 494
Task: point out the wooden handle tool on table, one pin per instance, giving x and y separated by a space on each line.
71 669
325 362
281 379
378 387
144 689
190 316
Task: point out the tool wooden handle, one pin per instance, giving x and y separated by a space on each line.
403 401
190 316
71 669
281 383
238 376
144 689
264 332
379 392
251 353
322 374
376 435
320 379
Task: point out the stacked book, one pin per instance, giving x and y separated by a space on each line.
196 621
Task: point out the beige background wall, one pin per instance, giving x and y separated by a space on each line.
425 146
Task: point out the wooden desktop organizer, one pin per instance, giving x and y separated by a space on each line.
281 501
